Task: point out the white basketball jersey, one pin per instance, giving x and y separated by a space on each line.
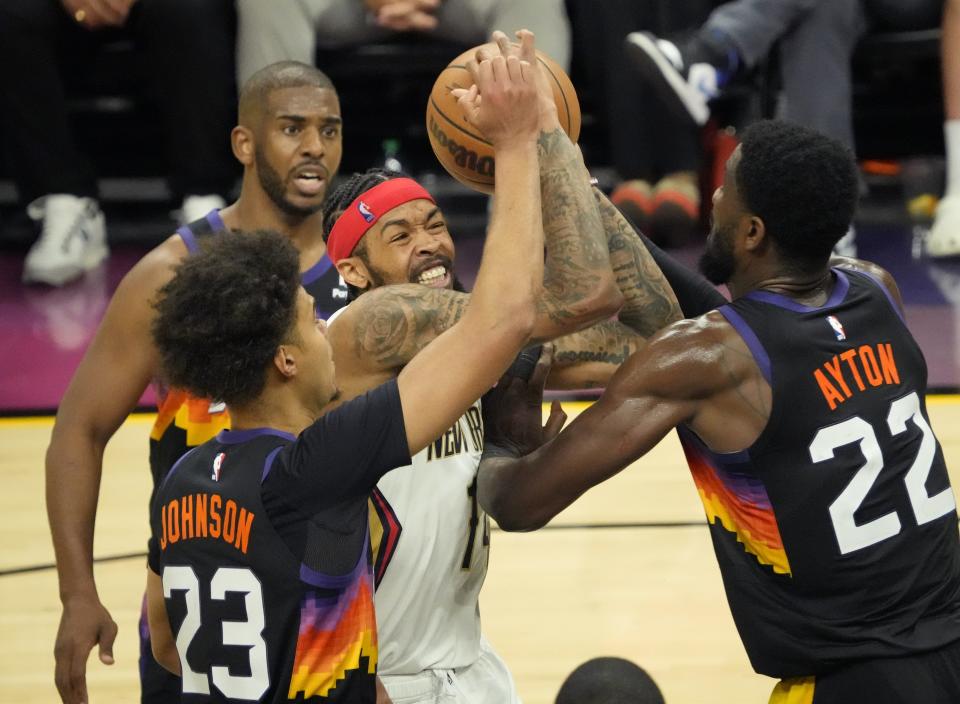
428 590
431 544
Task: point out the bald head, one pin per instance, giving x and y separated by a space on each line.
256 91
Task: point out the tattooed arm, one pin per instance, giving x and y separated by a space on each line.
649 302
588 358
579 287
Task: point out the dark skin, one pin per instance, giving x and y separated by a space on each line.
122 360
697 372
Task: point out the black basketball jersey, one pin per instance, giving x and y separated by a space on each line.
184 421
836 532
262 542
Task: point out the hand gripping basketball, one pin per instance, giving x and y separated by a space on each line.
461 148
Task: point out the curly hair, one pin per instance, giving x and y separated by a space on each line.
802 184
221 317
355 185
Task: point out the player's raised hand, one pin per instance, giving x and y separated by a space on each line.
502 104
83 624
523 48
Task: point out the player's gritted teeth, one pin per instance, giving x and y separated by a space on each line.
435 274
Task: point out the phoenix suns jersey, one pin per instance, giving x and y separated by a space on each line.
184 421
262 543
431 543
836 531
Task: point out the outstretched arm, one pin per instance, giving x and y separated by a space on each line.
439 383
115 370
695 371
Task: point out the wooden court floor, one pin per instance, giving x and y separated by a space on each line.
626 571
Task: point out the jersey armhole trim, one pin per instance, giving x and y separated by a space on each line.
886 292
176 465
268 463
753 343
314 578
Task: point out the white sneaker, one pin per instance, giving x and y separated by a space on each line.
687 89
846 246
944 237
73 239
196 207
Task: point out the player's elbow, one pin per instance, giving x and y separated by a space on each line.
510 514
601 302
518 521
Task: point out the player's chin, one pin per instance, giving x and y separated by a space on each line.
305 203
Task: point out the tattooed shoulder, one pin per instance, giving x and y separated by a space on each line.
393 323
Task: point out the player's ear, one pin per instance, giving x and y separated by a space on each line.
241 141
756 233
285 361
354 272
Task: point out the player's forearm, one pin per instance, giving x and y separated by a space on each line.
649 301
579 288
73 471
510 279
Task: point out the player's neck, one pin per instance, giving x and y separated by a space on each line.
254 210
271 410
807 288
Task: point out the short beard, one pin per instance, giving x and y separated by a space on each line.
717 262
273 186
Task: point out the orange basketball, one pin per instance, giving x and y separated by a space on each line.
465 154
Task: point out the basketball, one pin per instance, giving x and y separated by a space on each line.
466 155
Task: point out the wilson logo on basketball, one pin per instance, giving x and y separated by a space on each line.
462 157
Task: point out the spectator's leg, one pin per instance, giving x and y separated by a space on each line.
50 173
44 158
472 22
754 26
944 240
272 31
189 55
815 59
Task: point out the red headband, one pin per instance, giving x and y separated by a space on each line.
366 209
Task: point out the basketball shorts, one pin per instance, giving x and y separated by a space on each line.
925 678
485 681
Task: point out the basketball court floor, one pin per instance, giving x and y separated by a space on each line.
626 571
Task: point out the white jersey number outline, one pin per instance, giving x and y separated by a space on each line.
247 633
926 508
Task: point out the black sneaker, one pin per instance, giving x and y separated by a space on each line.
687 87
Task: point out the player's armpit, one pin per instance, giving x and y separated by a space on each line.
589 358
161 636
383 329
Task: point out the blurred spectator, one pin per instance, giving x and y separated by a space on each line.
657 159
944 239
816 40
188 58
272 30
609 681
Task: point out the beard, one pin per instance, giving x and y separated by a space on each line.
276 190
717 262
